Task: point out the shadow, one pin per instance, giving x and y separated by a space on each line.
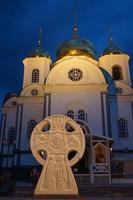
7 182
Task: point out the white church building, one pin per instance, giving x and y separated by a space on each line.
95 92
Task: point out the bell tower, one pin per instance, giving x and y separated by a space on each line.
115 62
36 64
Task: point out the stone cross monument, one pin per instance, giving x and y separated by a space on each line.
52 142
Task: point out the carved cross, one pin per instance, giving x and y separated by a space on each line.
57 143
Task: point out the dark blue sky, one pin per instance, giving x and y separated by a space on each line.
20 19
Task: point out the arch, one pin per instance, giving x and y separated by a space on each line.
100 153
35 75
89 69
117 72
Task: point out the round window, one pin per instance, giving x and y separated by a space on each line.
75 74
34 92
119 90
14 103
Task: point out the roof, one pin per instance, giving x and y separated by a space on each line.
112 48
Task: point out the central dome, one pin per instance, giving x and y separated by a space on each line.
76 46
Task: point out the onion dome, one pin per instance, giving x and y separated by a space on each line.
112 48
39 51
76 46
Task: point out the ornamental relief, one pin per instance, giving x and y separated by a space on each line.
51 142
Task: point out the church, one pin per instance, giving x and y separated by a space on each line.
95 92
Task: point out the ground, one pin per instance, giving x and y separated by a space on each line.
81 198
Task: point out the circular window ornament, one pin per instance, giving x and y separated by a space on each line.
14 103
34 92
119 90
75 74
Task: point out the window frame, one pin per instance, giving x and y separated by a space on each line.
122 128
11 135
70 113
119 68
30 127
35 76
81 115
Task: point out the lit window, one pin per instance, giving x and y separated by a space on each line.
35 76
122 128
31 125
117 73
81 115
70 114
11 135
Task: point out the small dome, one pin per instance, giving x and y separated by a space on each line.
112 48
38 52
76 46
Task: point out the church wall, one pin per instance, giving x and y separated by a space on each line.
121 108
32 109
128 168
40 63
2 129
87 97
108 61
28 160
89 68
10 122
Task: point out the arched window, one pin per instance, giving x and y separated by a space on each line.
81 115
122 128
31 125
11 135
35 76
70 113
117 73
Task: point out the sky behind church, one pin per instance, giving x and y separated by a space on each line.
20 20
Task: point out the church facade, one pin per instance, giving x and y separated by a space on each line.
96 93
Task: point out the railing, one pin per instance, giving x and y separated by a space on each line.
100 168
82 179
122 180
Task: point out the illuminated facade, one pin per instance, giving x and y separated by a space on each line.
96 93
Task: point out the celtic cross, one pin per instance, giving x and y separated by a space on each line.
52 141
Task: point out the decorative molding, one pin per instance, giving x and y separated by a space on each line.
108 116
3 127
132 109
106 121
103 116
47 105
19 116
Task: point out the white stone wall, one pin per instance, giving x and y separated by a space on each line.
107 61
40 63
